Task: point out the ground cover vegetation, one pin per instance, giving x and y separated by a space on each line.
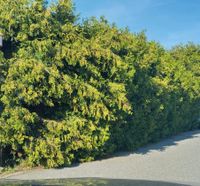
75 91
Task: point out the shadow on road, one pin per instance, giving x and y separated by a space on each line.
172 141
162 145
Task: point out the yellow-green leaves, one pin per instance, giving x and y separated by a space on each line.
73 83
76 91
31 82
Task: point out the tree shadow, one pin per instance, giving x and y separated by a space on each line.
168 142
159 146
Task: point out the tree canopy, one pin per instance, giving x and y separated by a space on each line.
73 92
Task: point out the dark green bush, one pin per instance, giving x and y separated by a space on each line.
165 93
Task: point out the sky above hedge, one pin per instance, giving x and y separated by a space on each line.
168 21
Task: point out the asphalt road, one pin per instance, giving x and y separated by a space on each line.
176 159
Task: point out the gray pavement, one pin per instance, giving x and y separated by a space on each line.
176 159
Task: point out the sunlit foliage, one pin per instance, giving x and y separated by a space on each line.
73 92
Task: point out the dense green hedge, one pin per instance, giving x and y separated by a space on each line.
165 94
73 92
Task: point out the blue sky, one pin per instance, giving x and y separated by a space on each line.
169 22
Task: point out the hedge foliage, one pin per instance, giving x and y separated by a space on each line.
73 92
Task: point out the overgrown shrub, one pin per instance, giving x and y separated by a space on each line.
65 84
73 92
164 92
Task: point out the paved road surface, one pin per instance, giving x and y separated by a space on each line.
176 159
